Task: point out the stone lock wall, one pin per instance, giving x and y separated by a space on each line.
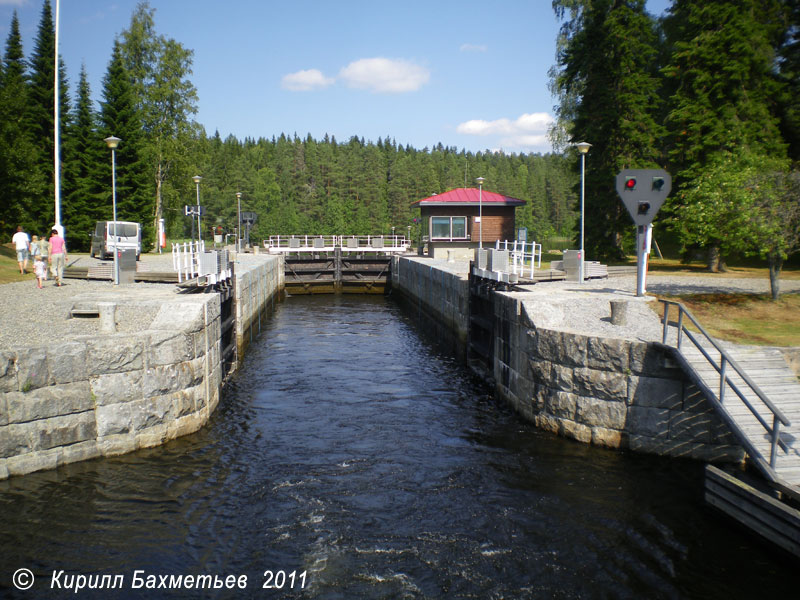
117 392
436 291
256 287
611 392
113 393
615 393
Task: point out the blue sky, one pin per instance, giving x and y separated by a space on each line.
467 74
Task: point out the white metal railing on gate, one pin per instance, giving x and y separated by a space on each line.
523 256
186 259
386 244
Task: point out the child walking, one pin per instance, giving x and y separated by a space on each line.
40 270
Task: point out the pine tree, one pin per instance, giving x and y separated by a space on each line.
85 198
22 187
608 90
720 74
789 78
119 117
40 111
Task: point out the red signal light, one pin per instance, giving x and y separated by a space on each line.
630 183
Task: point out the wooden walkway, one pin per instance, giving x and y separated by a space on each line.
769 372
105 271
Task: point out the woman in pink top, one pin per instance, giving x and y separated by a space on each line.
57 257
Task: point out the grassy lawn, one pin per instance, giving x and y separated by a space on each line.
9 269
756 270
745 318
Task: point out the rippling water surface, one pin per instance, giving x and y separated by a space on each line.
349 448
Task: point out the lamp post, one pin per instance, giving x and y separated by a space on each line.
112 143
196 180
480 181
238 221
583 148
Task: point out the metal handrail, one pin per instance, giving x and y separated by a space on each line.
186 259
726 360
519 255
347 243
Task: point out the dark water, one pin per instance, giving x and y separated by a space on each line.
349 449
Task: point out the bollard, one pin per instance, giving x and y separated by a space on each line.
108 317
619 312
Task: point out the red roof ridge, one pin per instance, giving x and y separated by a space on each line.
469 196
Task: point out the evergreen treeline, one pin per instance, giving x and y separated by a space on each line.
357 187
294 185
709 92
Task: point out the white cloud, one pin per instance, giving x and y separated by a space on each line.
12 2
305 81
385 75
528 131
526 124
474 48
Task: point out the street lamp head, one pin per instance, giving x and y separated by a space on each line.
480 180
196 179
583 147
112 142
238 194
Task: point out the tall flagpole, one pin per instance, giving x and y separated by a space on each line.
56 136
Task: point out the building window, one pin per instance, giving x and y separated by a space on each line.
448 228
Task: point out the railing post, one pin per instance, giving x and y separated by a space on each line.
680 327
776 424
723 365
666 323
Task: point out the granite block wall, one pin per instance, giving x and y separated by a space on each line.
610 392
615 393
117 392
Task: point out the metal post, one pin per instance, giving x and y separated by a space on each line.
112 143
114 204
238 221
583 195
57 124
480 214
776 425
196 180
583 148
480 181
643 236
199 229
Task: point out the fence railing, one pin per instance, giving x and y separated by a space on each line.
522 256
347 243
725 362
190 260
186 259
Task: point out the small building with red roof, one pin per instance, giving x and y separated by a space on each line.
452 221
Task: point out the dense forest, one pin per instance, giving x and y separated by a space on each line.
708 92
295 185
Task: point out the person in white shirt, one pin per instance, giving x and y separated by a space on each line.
22 243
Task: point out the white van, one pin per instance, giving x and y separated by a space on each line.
128 237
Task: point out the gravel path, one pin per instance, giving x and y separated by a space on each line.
37 317
586 309
33 317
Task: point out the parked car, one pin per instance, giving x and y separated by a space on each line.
128 236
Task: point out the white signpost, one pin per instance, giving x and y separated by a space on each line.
643 191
